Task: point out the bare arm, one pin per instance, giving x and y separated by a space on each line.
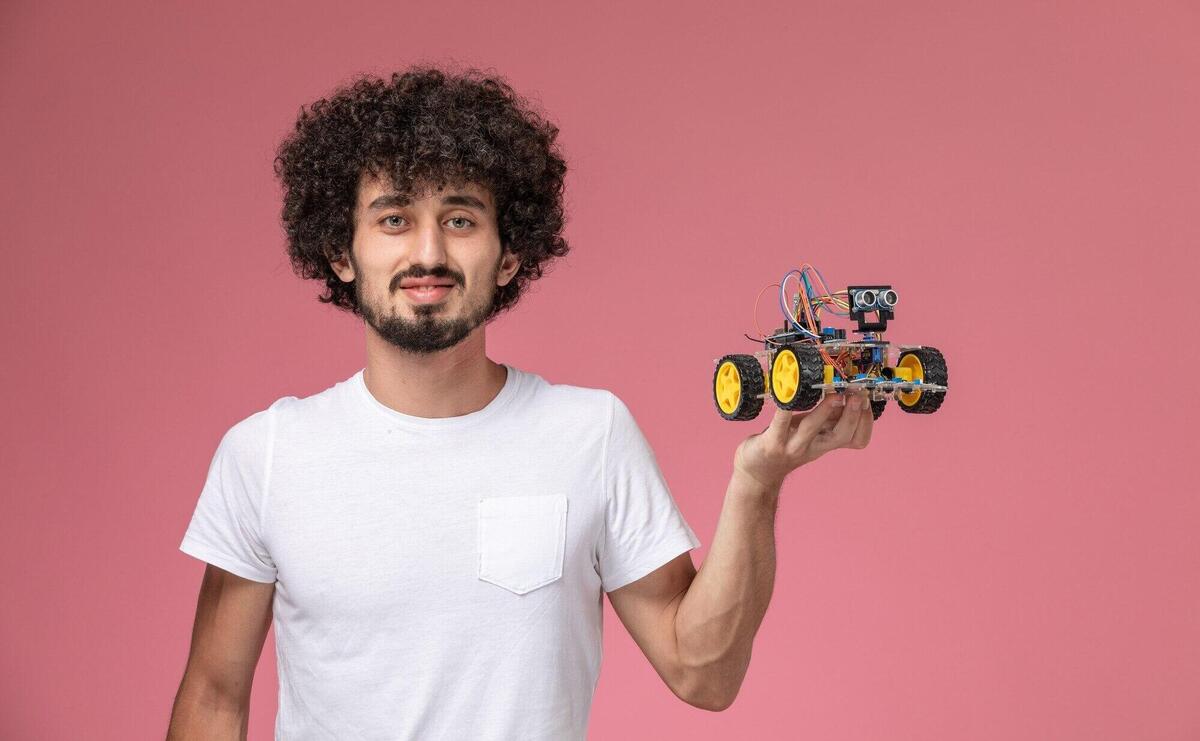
723 608
697 628
232 618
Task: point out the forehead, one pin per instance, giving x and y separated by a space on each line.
372 187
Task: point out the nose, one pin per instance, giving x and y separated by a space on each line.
430 250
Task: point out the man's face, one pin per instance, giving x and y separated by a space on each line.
448 236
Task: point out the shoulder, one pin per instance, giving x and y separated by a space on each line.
324 409
596 403
251 435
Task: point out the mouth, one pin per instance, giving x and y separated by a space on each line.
427 294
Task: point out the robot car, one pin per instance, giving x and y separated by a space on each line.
804 361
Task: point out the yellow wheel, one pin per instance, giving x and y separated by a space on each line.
794 371
738 387
729 387
913 363
927 366
785 375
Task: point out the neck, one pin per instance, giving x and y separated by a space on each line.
456 381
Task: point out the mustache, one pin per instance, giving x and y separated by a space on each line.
444 274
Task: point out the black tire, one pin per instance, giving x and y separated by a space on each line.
934 368
812 370
751 391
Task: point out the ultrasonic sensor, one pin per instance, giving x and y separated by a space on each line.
864 300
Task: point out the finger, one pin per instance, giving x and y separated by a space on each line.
835 412
811 423
832 420
862 434
844 430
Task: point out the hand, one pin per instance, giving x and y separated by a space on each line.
796 438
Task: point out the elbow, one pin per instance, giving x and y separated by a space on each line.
708 691
715 705
710 673
209 704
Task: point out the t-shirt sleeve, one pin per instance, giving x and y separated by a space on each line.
225 526
643 527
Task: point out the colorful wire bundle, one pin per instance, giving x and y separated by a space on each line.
810 306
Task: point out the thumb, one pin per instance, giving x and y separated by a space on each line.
780 424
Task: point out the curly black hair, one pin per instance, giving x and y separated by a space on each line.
426 126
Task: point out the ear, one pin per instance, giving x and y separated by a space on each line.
340 263
510 263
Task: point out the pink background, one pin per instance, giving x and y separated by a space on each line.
1022 564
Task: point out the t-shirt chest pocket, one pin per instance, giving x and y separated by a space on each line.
522 540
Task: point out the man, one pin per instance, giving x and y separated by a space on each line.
432 535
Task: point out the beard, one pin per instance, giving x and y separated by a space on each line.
430 331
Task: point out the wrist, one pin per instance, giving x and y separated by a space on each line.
748 484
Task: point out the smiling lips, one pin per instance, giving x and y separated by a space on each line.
426 290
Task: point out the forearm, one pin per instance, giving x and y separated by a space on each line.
725 604
202 711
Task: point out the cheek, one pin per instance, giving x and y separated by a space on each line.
374 286
374 273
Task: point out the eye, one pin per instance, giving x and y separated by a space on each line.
387 220
462 218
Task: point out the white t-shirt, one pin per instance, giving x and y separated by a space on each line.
438 578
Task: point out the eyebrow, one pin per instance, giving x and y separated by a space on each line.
392 200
